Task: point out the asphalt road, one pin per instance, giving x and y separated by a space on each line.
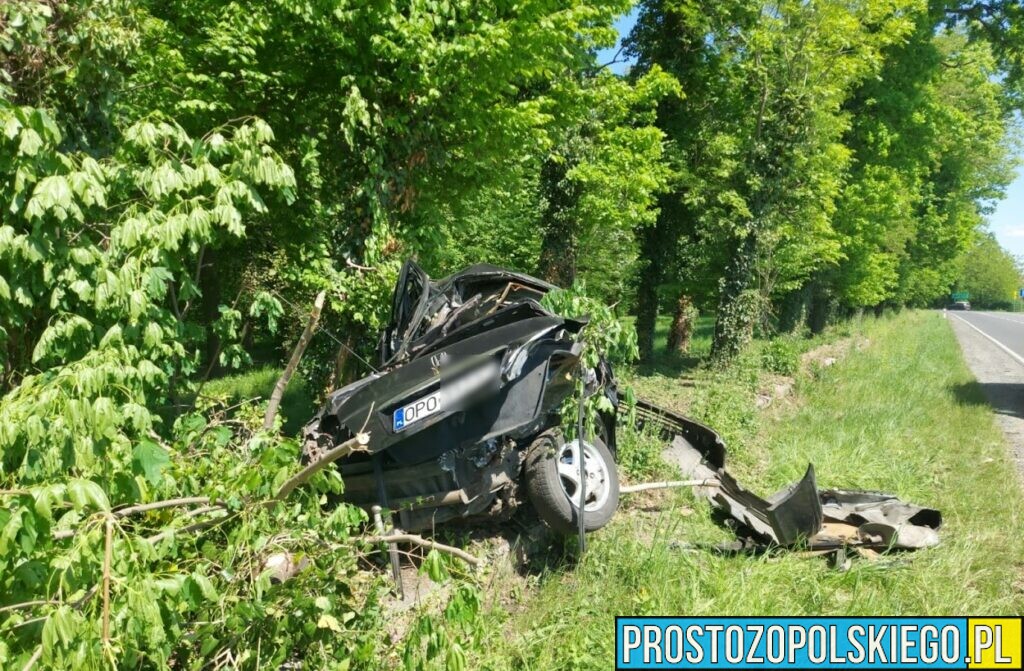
1006 328
993 347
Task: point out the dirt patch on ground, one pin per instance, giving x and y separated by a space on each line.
831 353
774 388
778 391
513 554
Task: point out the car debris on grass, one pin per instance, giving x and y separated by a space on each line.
798 516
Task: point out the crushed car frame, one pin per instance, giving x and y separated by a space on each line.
463 414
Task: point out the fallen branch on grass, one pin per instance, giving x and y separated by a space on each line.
667 484
206 506
146 507
422 542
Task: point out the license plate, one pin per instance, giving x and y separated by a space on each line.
417 410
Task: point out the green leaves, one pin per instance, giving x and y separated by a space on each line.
60 631
60 338
86 494
266 306
433 566
604 335
150 460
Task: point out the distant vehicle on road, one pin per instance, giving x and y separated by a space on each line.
960 305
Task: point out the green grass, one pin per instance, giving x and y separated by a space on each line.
662 374
297 405
900 414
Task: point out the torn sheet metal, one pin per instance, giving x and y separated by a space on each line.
799 514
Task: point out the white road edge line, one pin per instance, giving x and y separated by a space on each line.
1004 318
998 344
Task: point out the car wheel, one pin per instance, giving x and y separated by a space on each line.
552 482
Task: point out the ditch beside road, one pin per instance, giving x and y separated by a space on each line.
993 346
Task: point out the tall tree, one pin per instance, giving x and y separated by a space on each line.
600 179
766 108
931 154
989 274
690 40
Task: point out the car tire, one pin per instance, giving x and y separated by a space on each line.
550 482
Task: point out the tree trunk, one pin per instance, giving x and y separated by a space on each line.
557 263
737 304
682 325
293 362
822 309
346 367
210 301
793 311
647 291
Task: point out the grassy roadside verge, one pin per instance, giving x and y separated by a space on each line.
900 413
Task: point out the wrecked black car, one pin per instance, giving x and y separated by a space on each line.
463 414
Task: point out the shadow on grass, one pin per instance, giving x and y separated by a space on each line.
1005 398
670 364
677 364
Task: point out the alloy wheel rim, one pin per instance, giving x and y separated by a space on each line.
598 481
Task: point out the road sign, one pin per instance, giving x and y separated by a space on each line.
1021 293
964 295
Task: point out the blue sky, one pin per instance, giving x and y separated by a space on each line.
624 24
1007 222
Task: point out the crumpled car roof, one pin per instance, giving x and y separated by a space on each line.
426 312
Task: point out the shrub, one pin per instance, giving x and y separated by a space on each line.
781 355
639 453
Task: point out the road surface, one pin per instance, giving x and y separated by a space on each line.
1005 328
993 346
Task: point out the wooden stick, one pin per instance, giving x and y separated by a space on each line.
107 556
423 542
33 659
29 604
293 363
668 484
145 507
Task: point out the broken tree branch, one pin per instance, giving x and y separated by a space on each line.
156 538
33 659
157 505
29 604
667 484
423 542
293 362
107 556
145 507
361 440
